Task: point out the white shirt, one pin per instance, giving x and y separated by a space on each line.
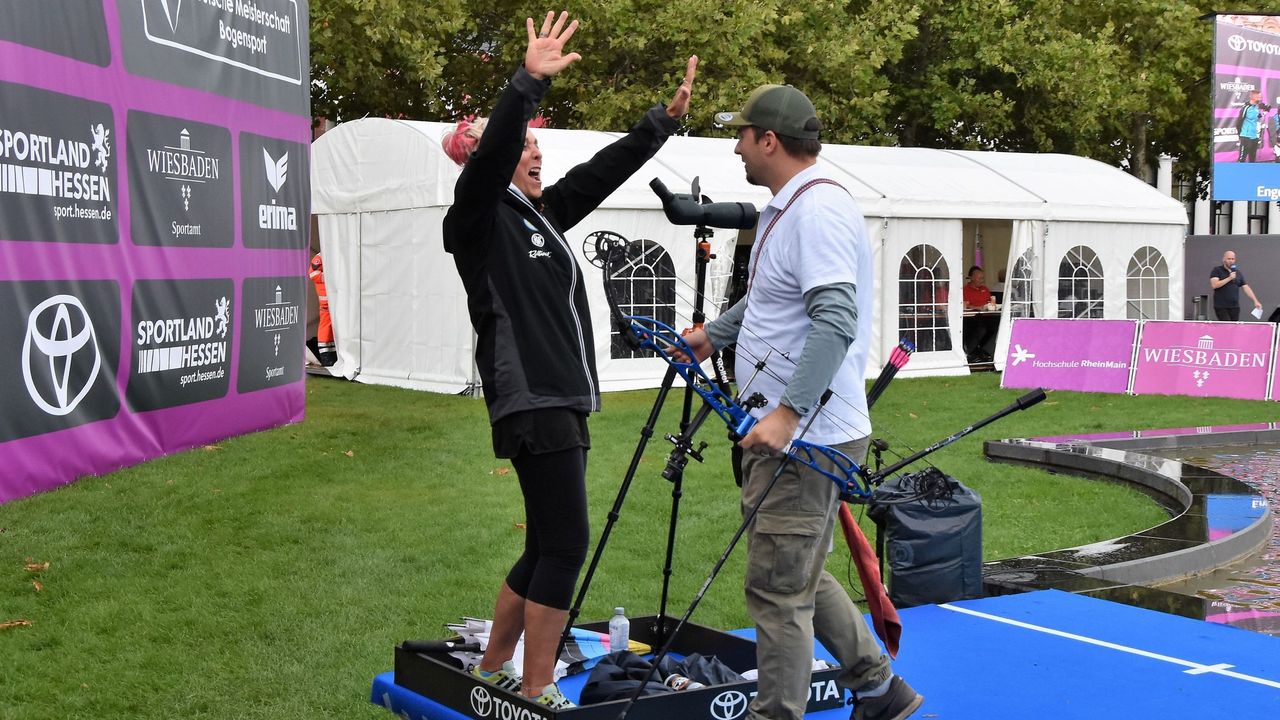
821 239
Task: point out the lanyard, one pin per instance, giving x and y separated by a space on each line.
755 265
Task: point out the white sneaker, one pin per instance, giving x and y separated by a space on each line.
553 698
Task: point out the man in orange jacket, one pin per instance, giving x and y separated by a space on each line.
326 350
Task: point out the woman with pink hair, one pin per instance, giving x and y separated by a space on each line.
461 141
534 348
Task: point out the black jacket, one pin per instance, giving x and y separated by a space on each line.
525 291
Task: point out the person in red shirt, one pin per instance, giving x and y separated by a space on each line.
979 331
976 294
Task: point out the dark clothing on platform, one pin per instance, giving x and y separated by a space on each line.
525 292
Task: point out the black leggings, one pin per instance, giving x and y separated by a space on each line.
556 529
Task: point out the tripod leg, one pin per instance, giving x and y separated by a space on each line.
645 433
706 585
675 473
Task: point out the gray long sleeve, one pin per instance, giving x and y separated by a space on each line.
724 329
833 310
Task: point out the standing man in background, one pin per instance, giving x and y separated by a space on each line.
1227 281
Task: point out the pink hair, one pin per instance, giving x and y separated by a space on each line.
461 141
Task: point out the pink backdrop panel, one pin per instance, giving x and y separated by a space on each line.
1081 355
1205 359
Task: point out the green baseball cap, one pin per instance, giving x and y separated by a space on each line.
780 108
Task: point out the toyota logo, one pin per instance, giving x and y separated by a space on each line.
728 705
70 337
1236 43
481 701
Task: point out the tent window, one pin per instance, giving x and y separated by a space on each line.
1148 286
923 289
645 286
1080 284
1021 287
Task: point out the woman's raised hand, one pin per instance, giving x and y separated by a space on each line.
545 55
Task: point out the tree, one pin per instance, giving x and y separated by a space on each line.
380 57
1000 75
1120 81
1162 51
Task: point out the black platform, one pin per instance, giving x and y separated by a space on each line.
439 677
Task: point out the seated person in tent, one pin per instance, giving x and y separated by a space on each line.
997 290
534 349
979 330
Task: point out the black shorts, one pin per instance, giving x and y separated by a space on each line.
537 432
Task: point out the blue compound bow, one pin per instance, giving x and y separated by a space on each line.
612 252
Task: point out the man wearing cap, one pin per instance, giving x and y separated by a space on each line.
807 314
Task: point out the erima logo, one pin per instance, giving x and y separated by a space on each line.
277 170
63 347
276 217
171 10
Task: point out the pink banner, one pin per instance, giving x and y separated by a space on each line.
1275 392
1081 355
1202 359
154 196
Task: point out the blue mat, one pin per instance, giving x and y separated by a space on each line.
1048 655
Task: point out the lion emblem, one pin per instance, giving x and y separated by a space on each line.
223 316
101 145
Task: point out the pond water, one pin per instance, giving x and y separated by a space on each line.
1246 594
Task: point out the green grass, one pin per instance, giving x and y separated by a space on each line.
270 576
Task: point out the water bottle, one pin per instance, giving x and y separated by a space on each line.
619 631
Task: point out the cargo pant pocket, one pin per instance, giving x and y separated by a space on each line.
782 551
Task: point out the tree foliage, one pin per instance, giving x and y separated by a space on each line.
1120 81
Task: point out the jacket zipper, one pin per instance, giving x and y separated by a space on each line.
573 310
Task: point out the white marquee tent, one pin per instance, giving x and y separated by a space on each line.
380 189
